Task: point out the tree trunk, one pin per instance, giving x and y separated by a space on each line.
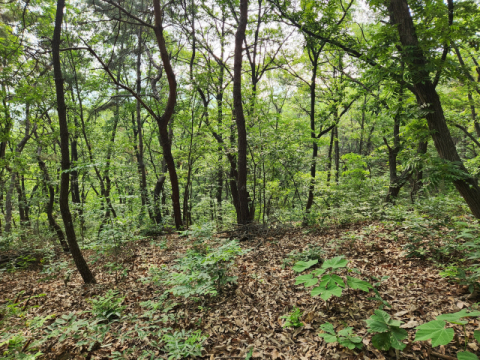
337 154
314 54
429 100
64 181
51 200
243 216
163 121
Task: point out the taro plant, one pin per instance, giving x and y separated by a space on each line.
440 335
389 334
330 284
293 319
344 337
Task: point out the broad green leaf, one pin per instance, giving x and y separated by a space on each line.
335 263
303 279
377 326
328 338
355 283
382 341
346 331
327 327
331 290
436 331
458 315
465 355
304 265
337 279
476 335
347 343
396 337
318 272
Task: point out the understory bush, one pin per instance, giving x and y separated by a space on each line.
201 271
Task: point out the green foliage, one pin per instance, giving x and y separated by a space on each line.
183 344
435 330
330 283
200 273
389 334
15 348
344 337
107 307
314 252
293 318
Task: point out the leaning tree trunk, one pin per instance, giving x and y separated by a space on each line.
429 100
239 115
64 179
163 120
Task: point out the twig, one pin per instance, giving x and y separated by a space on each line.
441 356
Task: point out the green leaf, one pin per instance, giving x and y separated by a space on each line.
396 336
458 315
318 272
347 343
328 338
355 283
303 279
345 332
327 327
335 263
476 335
331 290
465 355
436 331
382 341
303 265
337 279
377 326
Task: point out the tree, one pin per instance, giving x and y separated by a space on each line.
80 262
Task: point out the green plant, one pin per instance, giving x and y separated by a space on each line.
390 335
440 335
53 270
313 252
15 348
117 269
201 273
107 307
344 337
293 319
183 344
330 283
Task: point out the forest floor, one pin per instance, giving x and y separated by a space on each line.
247 316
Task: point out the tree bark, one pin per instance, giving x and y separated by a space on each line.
429 100
64 147
51 200
243 217
167 115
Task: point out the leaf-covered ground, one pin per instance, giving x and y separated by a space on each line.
247 316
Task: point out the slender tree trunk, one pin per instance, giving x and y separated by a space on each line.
428 99
167 115
239 115
64 182
314 54
51 201
337 155
329 164
140 153
9 203
418 180
362 126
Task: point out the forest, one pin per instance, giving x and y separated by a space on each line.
235 179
